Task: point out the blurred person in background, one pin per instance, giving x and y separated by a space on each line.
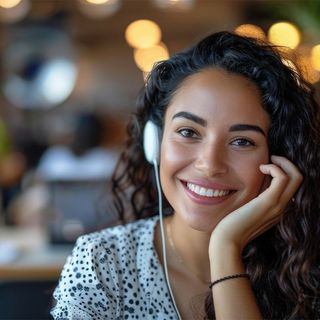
83 157
78 156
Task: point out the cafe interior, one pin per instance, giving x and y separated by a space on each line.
70 72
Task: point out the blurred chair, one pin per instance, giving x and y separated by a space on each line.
77 207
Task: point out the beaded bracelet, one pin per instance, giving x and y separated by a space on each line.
240 275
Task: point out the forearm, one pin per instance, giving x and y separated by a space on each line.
233 298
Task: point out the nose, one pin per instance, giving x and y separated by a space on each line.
212 159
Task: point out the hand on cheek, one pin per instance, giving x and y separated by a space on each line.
258 215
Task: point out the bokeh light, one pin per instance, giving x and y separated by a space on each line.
143 34
12 11
99 8
145 58
98 1
307 69
315 57
8 4
250 30
174 4
284 34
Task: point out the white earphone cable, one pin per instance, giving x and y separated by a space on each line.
164 250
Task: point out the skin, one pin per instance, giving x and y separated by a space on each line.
215 136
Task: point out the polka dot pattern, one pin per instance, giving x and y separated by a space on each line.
114 274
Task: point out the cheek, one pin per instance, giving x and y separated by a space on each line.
173 156
251 174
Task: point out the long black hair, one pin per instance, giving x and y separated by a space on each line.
283 263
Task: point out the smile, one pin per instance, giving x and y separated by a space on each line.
210 193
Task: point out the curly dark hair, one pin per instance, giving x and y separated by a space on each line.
283 263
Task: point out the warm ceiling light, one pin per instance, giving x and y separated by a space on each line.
143 34
13 10
250 30
98 1
284 34
307 69
99 8
178 4
8 4
146 58
315 57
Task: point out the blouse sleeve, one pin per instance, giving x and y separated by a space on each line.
86 288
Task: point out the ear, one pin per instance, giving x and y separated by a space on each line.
151 142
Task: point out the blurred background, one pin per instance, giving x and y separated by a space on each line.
70 71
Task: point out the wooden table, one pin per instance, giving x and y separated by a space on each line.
31 257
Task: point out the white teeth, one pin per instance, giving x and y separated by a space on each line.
202 191
207 192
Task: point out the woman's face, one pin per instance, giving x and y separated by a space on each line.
214 139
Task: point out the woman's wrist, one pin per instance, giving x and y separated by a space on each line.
220 243
225 259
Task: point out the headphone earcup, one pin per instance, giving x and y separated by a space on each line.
151 142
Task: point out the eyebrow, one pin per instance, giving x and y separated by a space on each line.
246 127
203 122
190 116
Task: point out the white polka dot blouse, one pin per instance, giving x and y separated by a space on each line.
114 274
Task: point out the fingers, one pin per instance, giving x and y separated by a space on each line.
288 167
286 178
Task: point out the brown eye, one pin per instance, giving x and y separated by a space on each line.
241 142
187 133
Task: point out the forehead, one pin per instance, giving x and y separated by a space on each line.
219 95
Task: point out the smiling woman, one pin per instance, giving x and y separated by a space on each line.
239 139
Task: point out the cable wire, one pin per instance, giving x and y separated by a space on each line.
163 242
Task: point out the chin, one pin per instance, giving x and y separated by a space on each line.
202 223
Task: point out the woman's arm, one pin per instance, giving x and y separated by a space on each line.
234 298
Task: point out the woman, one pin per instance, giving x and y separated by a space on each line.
239 173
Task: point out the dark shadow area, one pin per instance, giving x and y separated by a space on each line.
26 299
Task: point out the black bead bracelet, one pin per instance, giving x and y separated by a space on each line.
240 275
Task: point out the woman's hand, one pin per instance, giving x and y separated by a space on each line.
257 216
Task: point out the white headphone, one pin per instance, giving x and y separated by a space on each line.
151 142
